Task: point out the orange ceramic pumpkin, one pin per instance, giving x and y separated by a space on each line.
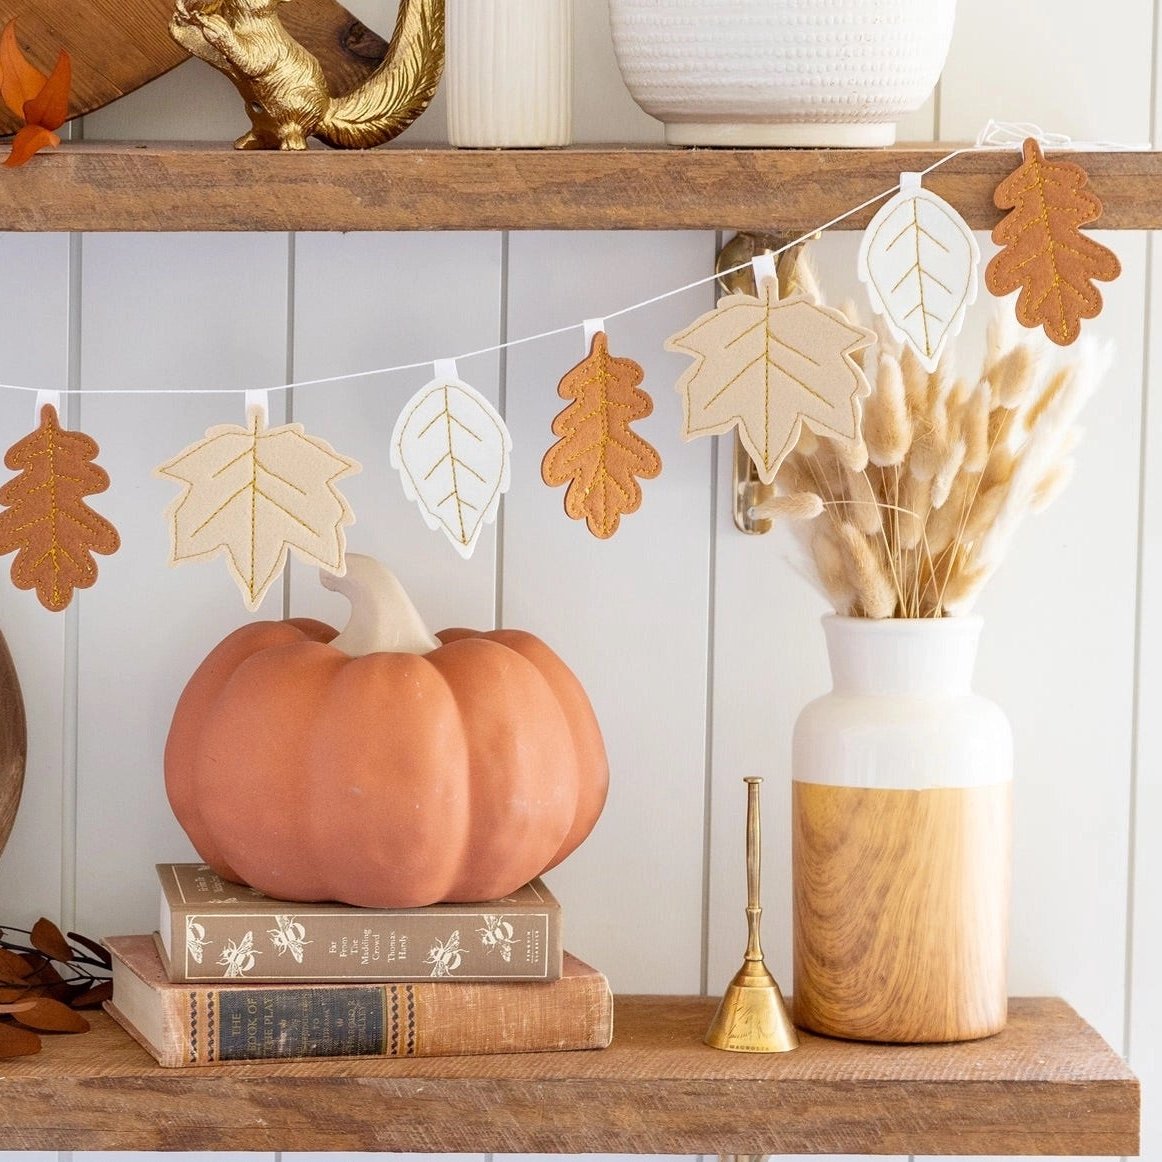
382 767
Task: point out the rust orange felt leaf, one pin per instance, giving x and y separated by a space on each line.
1044 253
42 101
49 1016
45 521
767 367
598 455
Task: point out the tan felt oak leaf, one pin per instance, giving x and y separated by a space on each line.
253 493
598 455
768 367
46 521
1044 253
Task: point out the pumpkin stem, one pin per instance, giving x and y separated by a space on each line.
383 618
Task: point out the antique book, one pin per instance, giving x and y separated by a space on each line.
212 929
204 1024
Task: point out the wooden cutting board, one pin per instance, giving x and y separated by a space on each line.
119 45
13 742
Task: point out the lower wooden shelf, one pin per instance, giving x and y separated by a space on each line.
1047 1085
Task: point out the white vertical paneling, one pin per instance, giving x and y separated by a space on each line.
1144 1024
1070 697
1050 62
603 110
1075 565
365 301
158 311
304 1156
629 615
175 1156
34 342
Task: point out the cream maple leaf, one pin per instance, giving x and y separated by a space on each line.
253 493
769 366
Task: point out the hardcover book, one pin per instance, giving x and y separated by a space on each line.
212 929
208 1024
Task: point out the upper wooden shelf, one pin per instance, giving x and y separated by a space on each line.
1047 1085
155 186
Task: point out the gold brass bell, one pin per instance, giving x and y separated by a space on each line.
752 1015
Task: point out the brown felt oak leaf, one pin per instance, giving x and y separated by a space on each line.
767 366
253 493
598 455
1044 252
42 101
46 521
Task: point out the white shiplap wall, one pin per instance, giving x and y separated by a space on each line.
698 645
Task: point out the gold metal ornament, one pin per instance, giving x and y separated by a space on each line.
283 86
752 1016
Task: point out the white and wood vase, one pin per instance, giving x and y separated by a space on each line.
509 72
781 72
901 838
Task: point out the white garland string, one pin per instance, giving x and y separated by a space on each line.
996 135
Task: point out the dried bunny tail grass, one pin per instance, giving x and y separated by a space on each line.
831 569
1012 375
1051 486
867 575
1002 334
962 587
862 505
887 424
946 523
947 472
1058 382
793 506
974 426
795 475
914 507
915 382
1041 452
852 454
930 443
808 442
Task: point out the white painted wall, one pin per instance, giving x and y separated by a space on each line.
698 644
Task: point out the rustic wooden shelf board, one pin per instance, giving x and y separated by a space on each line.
157 186
1046 1085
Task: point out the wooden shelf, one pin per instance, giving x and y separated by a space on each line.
155 186
1046 1085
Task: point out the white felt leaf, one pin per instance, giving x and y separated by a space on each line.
452 451
252 493
919 261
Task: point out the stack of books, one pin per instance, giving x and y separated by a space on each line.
233 975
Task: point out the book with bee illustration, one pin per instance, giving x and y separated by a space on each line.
212 929
221 1022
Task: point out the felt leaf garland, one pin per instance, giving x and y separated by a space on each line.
253 493
769 366
42 101
46 521
1044 252
919 259
598 455
452 451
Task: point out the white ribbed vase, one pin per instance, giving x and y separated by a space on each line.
509 72
781 72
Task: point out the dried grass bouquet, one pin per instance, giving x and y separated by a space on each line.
915 521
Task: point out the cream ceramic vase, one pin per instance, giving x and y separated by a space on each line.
901 837
781 72
509 72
